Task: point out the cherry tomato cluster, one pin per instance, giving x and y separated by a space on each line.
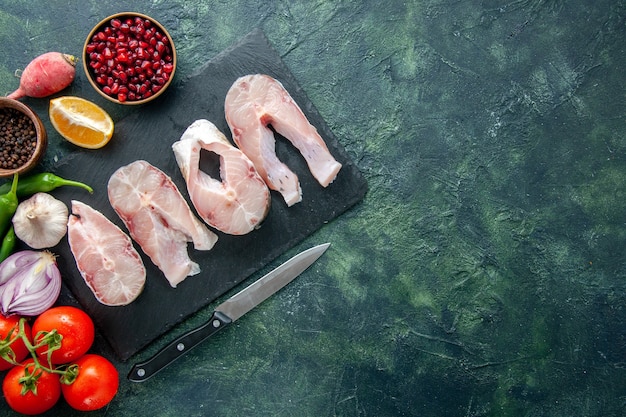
59 364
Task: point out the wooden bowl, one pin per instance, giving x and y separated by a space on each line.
9 105
121 55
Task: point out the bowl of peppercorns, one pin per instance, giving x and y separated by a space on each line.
129 58
23 138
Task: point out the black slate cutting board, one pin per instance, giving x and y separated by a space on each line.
148 134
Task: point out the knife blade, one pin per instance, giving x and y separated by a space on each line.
229 311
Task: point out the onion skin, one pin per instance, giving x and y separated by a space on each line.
45 75
30 283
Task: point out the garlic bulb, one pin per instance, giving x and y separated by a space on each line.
41 221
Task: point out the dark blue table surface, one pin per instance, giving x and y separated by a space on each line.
484 273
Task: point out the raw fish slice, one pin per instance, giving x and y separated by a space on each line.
105 256
235 203
256 101
158 219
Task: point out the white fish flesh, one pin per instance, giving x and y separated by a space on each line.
158 218
255 101
235 203
105 256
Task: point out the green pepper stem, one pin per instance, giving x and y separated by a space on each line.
74 184
14 185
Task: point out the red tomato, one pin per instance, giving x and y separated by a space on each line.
48 390
19 348
95 385
73 324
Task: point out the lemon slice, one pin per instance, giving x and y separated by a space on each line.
81 121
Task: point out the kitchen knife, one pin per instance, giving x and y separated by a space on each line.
229 311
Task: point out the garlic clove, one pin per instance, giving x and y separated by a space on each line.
41 221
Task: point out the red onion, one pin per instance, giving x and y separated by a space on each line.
30 283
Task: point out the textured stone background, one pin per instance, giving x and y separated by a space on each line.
484 273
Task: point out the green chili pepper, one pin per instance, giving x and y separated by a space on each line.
8 244
42 183
8 205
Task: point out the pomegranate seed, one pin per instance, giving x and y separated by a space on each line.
121 97
106 90
122 56
160 47
116 23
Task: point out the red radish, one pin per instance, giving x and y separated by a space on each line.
45 75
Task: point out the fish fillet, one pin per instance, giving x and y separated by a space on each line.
105 256
236 202
255 101
158 218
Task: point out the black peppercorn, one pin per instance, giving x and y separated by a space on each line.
18 138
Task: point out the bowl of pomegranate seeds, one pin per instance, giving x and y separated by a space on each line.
23 138
129 58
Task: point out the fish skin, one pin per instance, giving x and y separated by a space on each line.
237 202
255 101
158 218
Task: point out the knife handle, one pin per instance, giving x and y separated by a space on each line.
144 370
